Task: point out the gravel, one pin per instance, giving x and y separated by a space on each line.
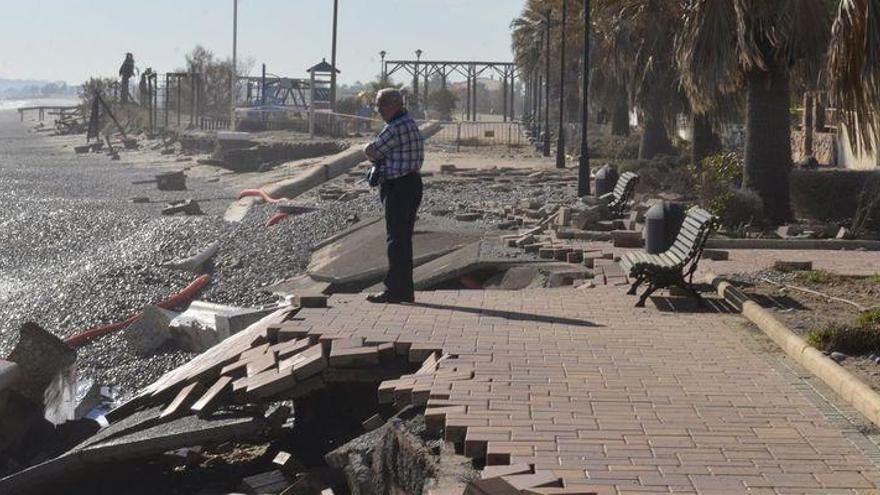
76 252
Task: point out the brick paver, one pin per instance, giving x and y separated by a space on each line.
609 397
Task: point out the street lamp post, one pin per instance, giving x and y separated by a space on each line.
233 79
584 160
382 68
333 59
560 140
546 150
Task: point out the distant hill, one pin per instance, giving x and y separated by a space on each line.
29 88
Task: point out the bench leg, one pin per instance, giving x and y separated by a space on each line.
650 290
635 286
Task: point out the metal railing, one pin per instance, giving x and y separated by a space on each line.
506 134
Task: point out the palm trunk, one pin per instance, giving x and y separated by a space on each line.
655 139
768 141
808 124
705 141
620 115
819 112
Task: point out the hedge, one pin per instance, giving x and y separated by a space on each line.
831 195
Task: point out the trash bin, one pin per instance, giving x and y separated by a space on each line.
662 223
606 179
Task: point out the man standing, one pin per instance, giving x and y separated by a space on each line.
399 151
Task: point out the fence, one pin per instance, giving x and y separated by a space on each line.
508 134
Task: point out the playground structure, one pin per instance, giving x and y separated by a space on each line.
470 70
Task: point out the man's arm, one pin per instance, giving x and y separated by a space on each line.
382 145
370 151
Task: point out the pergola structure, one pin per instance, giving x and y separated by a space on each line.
470 70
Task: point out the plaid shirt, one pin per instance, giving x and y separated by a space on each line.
401 147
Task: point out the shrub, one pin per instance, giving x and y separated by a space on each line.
816 277
717 182
744 206
853 340
832 195
869 319
875 278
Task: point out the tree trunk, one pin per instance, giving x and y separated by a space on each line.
819 112
807 124
620 115
768 141
655 139
705 141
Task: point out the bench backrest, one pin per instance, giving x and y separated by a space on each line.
625 184
691 239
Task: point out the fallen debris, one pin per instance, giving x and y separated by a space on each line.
187 207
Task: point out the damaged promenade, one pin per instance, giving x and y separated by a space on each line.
523 366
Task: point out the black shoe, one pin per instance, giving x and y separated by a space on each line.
386 298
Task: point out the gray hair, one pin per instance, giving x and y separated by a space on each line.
390 95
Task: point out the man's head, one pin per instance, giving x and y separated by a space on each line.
389 101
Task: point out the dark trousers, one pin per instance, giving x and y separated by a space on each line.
401 198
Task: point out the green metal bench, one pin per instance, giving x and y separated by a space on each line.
676 266
617 200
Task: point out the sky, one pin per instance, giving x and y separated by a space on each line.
72 40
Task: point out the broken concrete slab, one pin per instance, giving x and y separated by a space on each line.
150 331
343 264
40 357
205 324
299 285
144 440
9 374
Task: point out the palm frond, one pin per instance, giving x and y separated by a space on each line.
854 69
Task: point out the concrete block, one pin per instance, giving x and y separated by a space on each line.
627 239
149 331
196 329
230 323
41 357
310 300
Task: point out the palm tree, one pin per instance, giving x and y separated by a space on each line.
854 67
728 45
